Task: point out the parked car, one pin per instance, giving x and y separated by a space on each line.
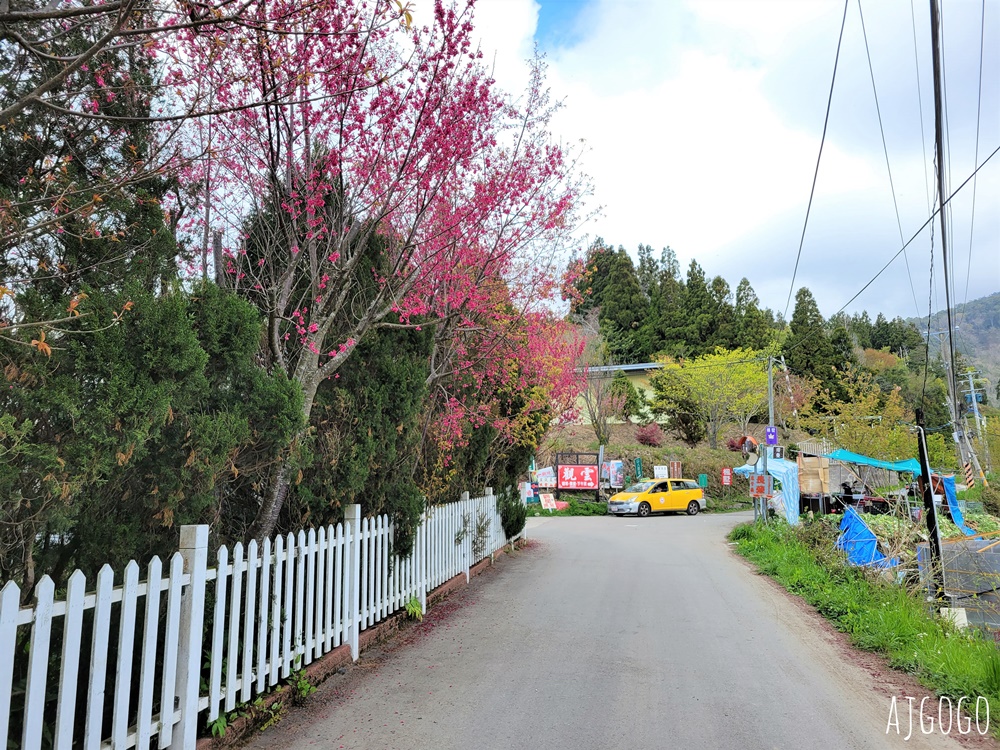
658 495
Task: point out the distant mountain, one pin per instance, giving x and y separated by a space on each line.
977 335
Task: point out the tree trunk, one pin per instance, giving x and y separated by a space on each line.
267 515
269 511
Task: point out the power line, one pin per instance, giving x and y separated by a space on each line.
920 105
979 111
885 150
819 157
916 234
921 229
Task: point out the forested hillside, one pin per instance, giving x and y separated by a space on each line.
857 379
977 337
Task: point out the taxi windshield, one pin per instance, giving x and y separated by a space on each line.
639 487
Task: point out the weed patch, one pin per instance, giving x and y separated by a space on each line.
876 613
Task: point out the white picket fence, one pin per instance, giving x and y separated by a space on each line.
186 644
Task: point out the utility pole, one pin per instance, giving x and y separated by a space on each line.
936 567
973 394
960 434
770 425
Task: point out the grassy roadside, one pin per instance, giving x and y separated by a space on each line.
878 615
727 504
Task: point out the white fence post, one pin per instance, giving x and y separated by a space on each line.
469 531
491 512
352 516
194 550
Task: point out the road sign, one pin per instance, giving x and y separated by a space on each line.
772 435
661 472
638 468
727 476
703 480
548 501
577 477
675 470
760 485
778 452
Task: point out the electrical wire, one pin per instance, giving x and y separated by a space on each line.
979 111
812 191
885 150
920 105
916 234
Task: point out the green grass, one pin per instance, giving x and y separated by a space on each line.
728 503
576 508
878 615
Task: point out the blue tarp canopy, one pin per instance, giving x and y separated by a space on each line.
911 465
786 472
860 544
956 512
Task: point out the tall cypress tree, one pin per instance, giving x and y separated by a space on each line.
807 349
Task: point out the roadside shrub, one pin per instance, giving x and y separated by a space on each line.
513 513
991 500
650 434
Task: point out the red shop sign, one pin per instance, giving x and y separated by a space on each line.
576 477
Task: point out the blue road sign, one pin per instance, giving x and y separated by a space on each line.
772 435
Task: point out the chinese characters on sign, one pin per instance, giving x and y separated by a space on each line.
548 501
572 477
661 472
772 435
546 477
727 476
675 469
760 485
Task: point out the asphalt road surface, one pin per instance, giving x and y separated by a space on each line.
613 633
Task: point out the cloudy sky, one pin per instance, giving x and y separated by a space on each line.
702 120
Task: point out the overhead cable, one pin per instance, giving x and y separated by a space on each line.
819 157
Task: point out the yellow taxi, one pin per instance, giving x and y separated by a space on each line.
658 495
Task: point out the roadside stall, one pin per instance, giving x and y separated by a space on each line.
785 498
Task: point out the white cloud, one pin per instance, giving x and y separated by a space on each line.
703 122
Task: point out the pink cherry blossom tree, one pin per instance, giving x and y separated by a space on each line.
384 181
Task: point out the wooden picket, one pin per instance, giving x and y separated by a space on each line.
278 606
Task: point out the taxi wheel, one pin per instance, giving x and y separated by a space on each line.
693 508
644 510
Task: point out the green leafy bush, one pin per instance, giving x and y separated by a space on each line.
513 513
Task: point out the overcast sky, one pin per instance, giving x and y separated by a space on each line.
703 119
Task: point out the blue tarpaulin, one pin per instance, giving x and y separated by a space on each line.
860 543
956 512
911 465
786 472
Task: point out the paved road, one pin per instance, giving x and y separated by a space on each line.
611 633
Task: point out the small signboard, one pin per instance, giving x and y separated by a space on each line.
546 477
760 485
548 501
617 473
772 435
577 477
675 470
778 452
638 468
703 480
727 476
661 472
